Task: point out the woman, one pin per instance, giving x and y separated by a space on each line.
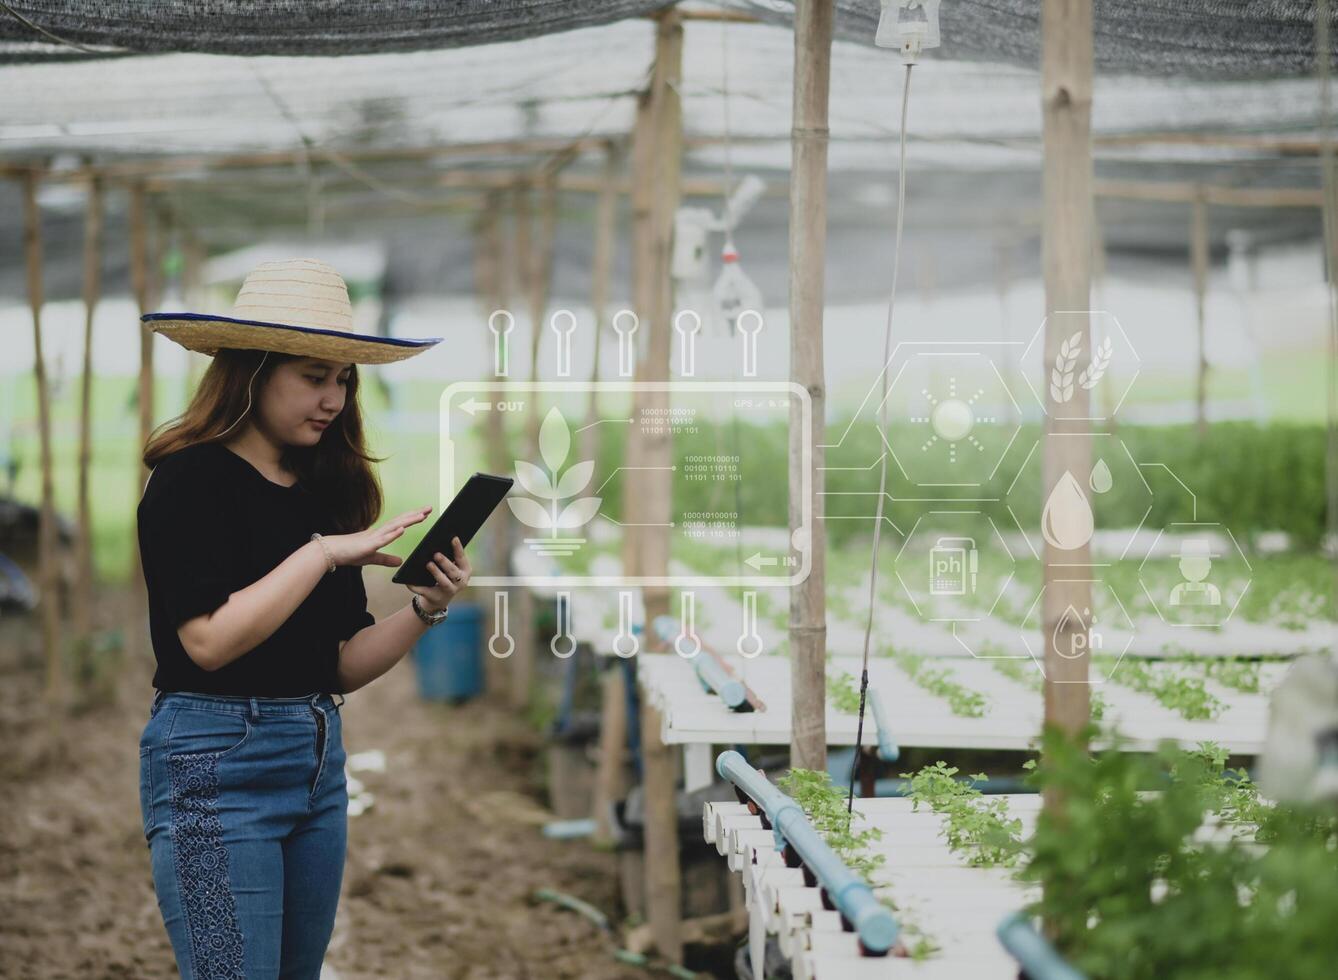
253 530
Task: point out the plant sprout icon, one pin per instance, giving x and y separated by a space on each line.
552 486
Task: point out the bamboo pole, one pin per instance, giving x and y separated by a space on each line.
1186 192
808 250
540 268
1066 258
491 284
189 166
522 623
664 876
610 775
1198 259
1329 215
656 170
139 284
1106 392
657 166
606 215
192 291
48 571
611 769
92 288
640 200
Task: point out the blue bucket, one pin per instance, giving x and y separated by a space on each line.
449 656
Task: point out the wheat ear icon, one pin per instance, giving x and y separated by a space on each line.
1095 371
1061 377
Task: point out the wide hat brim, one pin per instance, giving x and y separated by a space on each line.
208 334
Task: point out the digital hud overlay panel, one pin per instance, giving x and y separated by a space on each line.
568 503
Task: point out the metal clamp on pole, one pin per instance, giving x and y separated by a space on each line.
848 892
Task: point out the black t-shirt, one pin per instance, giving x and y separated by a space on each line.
211 524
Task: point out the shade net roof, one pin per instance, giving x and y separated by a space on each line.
1211 93
1206 38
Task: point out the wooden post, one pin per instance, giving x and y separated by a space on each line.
664 877
48 572
83 606
539 267
1329 215
1066 258
491 282
808 250
1198 259
192 291
139 284
1004 243
1106 391
522 608
658 158
657 168
610 775
606 216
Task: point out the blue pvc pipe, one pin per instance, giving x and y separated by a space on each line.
1034 954
853 898
887 745
712 677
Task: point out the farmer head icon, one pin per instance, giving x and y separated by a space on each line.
1196 563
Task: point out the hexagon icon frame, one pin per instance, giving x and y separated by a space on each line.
1152 548
1099 439
1039 661
1039 336
1003 587
1015 423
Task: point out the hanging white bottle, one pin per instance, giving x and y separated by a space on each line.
734 292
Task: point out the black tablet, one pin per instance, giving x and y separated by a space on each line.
462 518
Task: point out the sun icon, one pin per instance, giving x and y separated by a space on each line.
951 420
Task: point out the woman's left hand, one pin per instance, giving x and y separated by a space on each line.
451 576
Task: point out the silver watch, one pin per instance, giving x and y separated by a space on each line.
432 619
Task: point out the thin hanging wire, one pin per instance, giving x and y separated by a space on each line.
882 423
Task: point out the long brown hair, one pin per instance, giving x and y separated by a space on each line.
337 469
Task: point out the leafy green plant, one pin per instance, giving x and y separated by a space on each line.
1240 675
1128 893
1181 692
976 827
843 692
939 681
825 806
1025 673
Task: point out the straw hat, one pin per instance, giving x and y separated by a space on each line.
299 306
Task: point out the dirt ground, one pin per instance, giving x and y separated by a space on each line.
439 871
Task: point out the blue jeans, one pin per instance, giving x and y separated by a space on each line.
245 812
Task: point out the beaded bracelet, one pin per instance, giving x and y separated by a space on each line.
325 548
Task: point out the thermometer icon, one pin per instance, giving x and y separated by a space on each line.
501 639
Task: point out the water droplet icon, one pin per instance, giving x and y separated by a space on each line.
1066 521
1101 479
1070 634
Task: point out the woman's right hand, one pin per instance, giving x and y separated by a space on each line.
364 547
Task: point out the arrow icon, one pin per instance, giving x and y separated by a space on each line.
473 407
758 560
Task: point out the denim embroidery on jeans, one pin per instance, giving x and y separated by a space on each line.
202 867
